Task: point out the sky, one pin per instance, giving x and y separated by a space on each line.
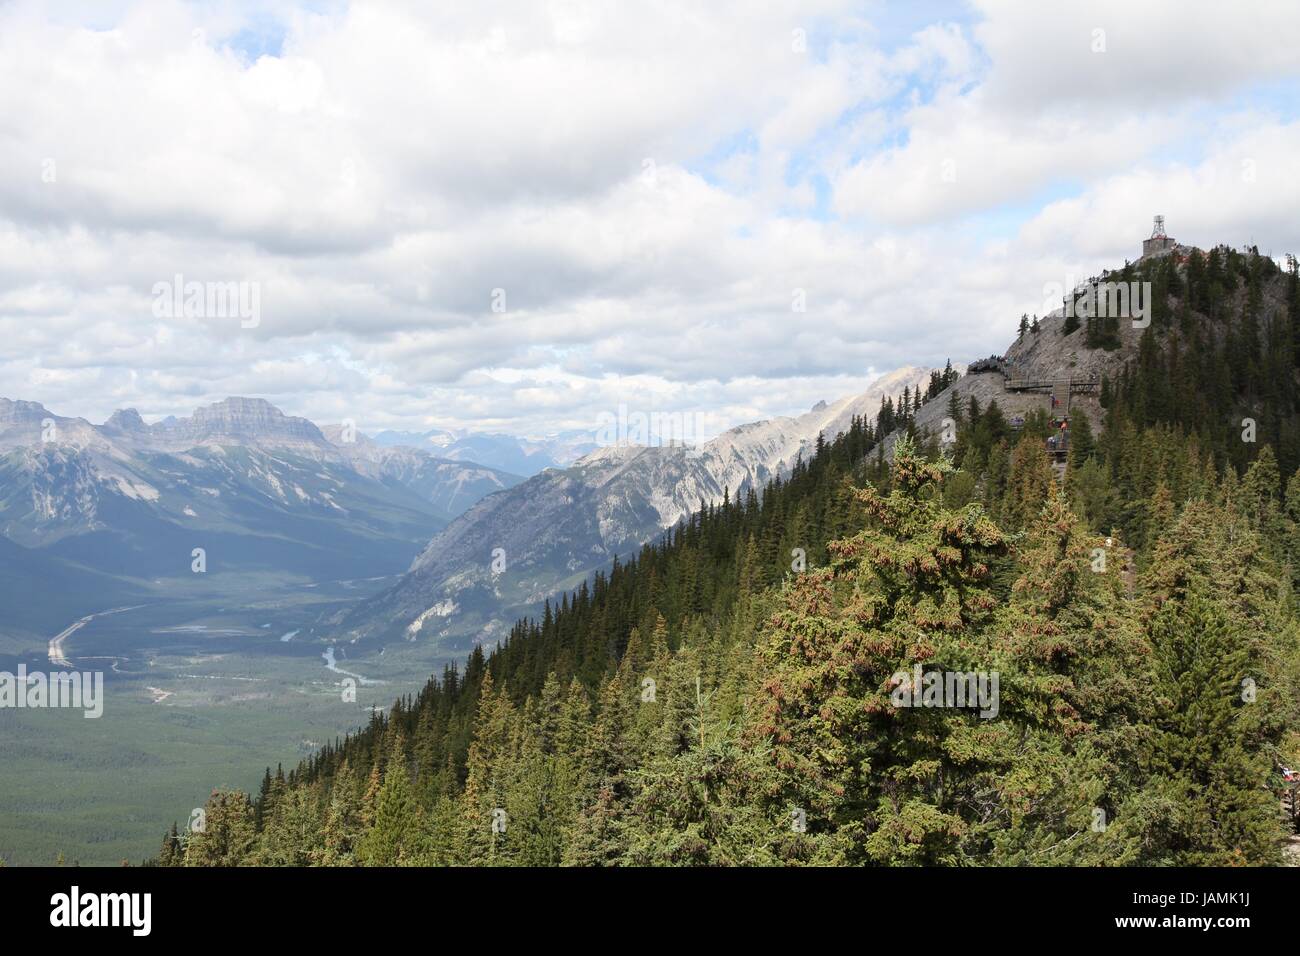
521 216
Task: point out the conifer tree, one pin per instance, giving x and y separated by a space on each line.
172 852
911 589
342 820
605 789
1082 444
483 798
291 835
1211 759
227 835
392 839
701 802
1029 484
1074 687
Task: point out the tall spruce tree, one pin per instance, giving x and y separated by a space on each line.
870 778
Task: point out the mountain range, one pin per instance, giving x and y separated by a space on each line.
513 549
122 505
257 490
520 456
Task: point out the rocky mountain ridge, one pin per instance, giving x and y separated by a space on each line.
515 548
133 499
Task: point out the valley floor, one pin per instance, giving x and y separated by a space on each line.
197 695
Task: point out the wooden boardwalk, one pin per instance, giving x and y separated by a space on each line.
1065 385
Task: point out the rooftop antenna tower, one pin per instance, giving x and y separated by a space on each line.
1159 244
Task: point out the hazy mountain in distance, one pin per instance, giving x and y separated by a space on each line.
31 423
451 486
519 456
557 527
258 490
247 422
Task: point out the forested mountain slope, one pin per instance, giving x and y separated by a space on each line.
732 696
512 550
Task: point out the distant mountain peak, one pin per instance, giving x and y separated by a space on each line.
239 406
126 420
21 411
245 419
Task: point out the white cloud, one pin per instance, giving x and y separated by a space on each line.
643 183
